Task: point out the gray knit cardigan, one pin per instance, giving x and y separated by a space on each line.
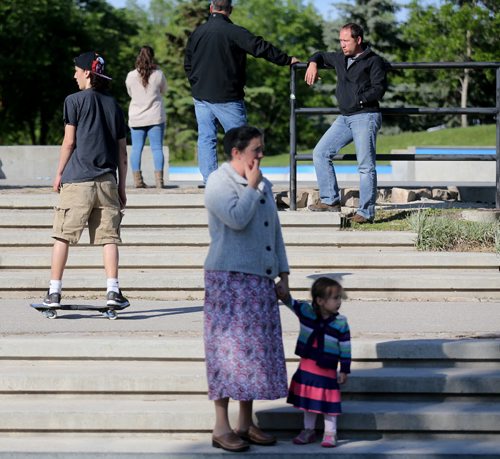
244 226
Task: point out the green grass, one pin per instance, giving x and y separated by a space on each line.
475 136
437 229
447 231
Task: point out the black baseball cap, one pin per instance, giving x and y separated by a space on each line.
93 62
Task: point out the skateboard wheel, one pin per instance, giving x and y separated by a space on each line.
50 314
111 314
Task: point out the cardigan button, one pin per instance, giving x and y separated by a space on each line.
262 201
268 271
266 223
268 248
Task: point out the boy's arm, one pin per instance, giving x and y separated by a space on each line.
67 148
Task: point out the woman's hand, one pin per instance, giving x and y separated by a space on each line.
253 173
282 288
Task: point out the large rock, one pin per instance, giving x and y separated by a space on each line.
402 196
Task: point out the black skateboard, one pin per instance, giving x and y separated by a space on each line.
51 312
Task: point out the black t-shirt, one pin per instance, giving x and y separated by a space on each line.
99 123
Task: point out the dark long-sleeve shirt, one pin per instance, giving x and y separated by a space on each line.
215 59
359 87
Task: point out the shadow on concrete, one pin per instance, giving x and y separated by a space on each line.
20 187
337 276
135 315
2 173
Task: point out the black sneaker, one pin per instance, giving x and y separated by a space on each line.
116 299
52 300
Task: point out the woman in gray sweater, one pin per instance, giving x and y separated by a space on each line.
243 343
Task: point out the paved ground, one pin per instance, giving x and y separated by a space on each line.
378 320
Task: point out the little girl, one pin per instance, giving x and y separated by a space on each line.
323 342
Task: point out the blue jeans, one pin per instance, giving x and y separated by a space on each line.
229 114
155 134
362 129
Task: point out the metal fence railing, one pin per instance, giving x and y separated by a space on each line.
495 111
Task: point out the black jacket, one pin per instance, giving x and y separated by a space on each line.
359 87
216 56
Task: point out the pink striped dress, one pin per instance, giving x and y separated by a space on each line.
315 389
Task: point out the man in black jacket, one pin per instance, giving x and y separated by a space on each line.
215 64
361 84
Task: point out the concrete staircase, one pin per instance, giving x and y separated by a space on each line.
165 241
142 397
89 388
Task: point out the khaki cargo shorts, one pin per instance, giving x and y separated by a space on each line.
96 203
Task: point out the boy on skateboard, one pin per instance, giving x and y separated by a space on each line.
93 149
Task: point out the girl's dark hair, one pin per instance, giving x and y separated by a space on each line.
239 138
321 289
145 63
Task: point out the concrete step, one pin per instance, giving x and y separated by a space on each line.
188 283
298 257
161 217
147 345
194 413
394 332
171 236
196 446
150 198
174 377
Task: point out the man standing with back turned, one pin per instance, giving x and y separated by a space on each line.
361 84
93 148
215 64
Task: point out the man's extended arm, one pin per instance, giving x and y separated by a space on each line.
317 61
258 47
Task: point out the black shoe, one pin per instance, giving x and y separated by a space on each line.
322 207
52 300
360 219
116 299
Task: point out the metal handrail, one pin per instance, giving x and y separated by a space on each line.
294 110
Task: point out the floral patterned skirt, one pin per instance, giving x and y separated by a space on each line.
243 342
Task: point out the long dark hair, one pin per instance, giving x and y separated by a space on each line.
321 289
145 63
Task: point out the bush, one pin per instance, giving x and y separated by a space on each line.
441 232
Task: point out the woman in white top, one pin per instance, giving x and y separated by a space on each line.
146 114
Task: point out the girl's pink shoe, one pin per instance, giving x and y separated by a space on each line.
305 436
329 440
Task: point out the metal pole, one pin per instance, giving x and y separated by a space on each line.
498 140
293 142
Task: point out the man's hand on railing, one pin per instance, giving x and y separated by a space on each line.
311 73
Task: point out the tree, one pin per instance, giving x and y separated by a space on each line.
378 19
297 30
39 39
455 31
